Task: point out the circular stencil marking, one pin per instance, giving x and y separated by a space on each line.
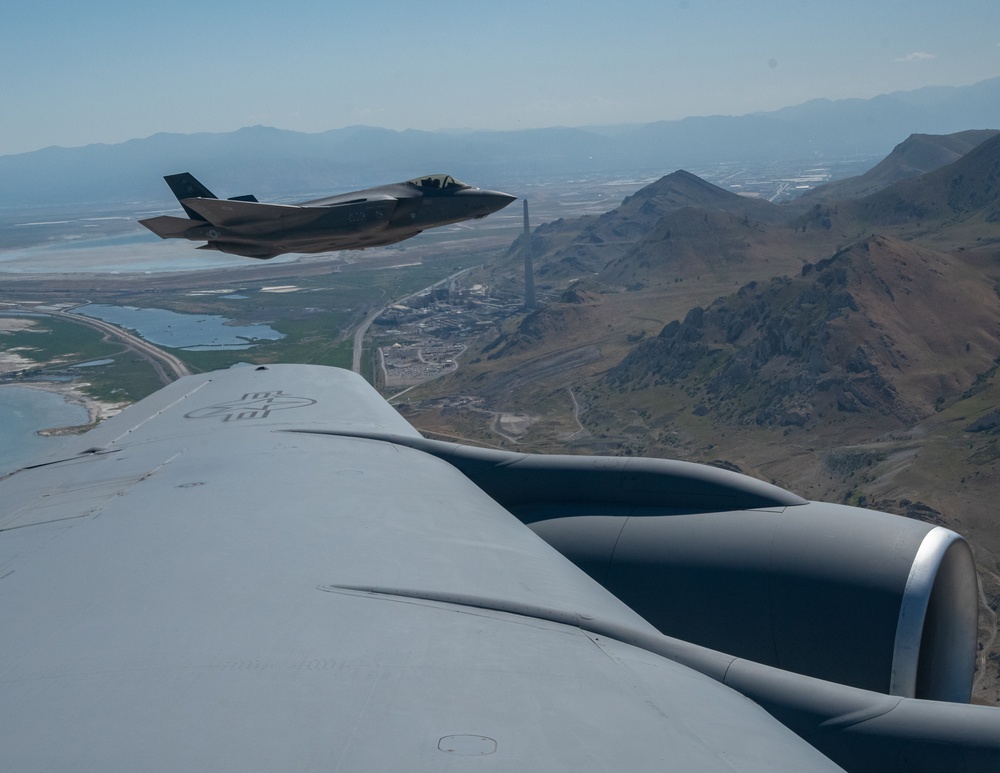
253 405
467 745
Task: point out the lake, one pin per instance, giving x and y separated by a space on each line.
23 412
190 332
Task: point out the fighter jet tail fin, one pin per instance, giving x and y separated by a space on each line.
185 186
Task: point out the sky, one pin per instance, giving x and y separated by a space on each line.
104 71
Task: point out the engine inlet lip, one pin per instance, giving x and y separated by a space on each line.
938 613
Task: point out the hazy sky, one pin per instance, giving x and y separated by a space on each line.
74 73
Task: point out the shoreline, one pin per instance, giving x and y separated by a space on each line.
72 392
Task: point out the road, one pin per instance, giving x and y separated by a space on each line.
987 648
167 366
359 337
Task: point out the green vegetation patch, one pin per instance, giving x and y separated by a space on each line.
128 379
57 344
65 341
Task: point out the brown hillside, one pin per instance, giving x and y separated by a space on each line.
966 189
537 330
874 331
702 245
572 248
681 189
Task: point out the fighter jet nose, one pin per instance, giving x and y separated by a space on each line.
498 200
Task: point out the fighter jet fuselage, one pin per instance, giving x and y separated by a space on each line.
376 216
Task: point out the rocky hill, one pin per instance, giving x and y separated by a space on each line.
871 334
918 154
967 189
702 245
966 192
581 246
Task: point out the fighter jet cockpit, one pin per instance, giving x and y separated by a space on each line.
438 182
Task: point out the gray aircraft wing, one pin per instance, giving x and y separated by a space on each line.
227 213
248 215
167 226
195 586
269 568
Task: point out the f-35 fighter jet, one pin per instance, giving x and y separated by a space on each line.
351 221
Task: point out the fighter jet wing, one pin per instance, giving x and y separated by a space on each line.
251 217
166 226
228 214
205 583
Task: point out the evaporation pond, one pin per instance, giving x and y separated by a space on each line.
182 331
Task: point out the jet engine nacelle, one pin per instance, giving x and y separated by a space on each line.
843 594
725 561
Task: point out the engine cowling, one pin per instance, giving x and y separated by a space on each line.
725 561
843 594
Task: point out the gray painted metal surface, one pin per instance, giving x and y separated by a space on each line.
819 589
729 562
242 573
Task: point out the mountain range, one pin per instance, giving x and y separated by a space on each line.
276 163
855 274
682 226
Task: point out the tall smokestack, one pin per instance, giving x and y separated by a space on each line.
529 269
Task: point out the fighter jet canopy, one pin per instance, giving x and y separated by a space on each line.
438 181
